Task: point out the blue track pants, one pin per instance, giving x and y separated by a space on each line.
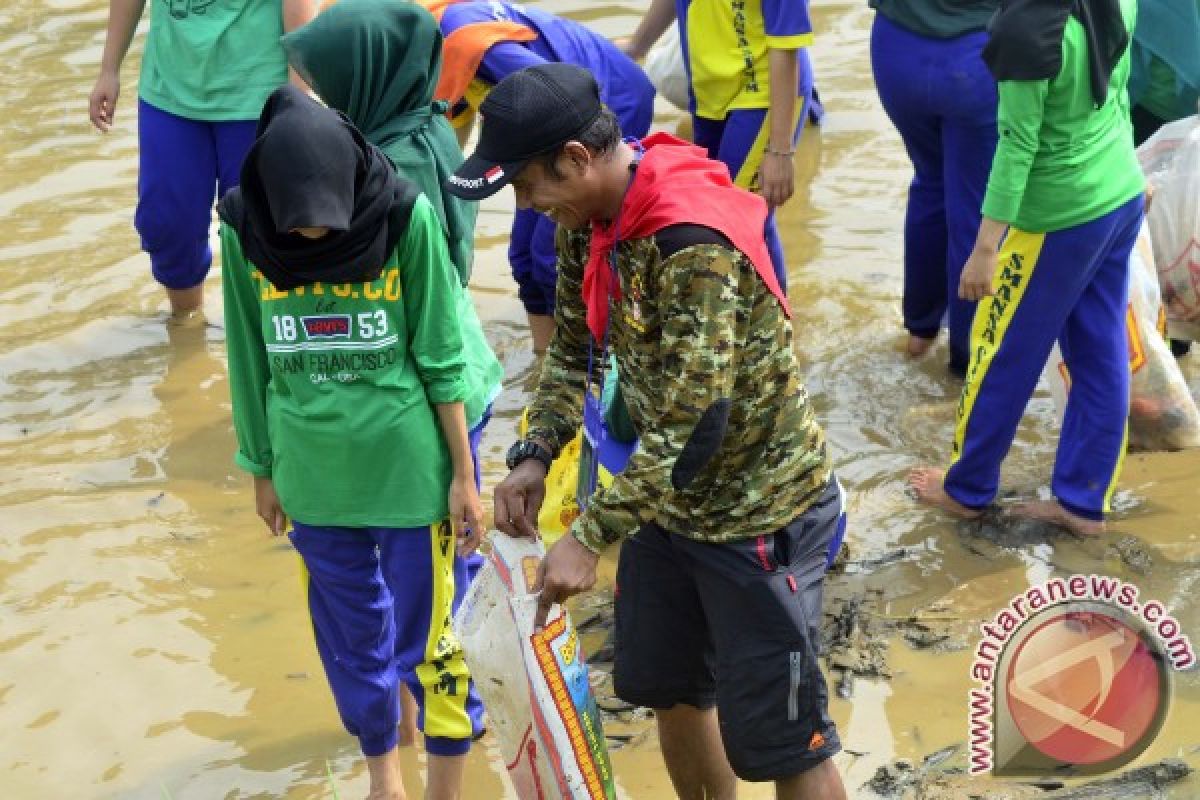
942 100
1071 286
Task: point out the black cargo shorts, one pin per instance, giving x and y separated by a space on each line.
735 625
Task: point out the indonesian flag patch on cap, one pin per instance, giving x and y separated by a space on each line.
494 174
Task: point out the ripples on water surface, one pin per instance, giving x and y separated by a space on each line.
152 639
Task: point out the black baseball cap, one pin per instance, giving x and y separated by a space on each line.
528 113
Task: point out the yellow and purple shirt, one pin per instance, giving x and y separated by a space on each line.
725 44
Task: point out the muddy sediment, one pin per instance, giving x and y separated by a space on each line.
865 627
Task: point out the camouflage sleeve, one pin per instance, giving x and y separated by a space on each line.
699 305
557 408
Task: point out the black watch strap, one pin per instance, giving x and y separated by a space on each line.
525 449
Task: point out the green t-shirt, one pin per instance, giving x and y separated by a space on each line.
938 19
213 60
333 386
1060 161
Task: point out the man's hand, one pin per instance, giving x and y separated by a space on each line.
519 497
466 513
977 274
266 502
776 178
102 103
568 569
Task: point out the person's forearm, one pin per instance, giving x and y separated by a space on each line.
453 421
123 16
1019 121
556 410
654 24
991 233
783 69
297 14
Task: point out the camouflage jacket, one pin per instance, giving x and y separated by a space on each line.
690 331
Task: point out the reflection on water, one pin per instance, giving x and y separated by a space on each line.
153 639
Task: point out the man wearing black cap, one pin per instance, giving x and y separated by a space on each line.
727 508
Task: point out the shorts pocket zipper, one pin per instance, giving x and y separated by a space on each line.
794 659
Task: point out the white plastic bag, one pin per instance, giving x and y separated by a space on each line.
1162 413
1171 160
664 66
534 685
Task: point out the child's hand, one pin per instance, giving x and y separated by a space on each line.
466 513
266 502
976 281
776 178
102 103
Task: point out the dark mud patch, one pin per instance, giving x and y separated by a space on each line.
941 776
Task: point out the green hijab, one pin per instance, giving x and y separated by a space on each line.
378 61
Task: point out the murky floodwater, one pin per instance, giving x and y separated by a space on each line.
153 641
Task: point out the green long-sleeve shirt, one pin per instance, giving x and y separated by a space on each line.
692 329
1060 161
333 385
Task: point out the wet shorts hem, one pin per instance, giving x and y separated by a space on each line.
379 745
664 699
788 764
444 746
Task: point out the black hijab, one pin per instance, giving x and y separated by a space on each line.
309 167
1025 42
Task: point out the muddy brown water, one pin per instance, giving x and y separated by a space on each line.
153 641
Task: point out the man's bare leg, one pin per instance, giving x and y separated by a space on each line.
386 783
541 327
691 746
185 302
445 779
822 782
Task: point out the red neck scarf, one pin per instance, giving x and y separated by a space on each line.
676 183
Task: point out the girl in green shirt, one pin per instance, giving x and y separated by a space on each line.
378 61
347 372
1062 210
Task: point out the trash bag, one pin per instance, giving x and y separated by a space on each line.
664 66
560 506
534 684
1171 160
1162 412
579 469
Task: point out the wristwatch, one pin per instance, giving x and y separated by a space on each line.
527 448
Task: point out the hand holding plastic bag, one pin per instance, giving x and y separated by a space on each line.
534 683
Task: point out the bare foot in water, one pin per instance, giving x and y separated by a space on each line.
918 346
1050 511
927 483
